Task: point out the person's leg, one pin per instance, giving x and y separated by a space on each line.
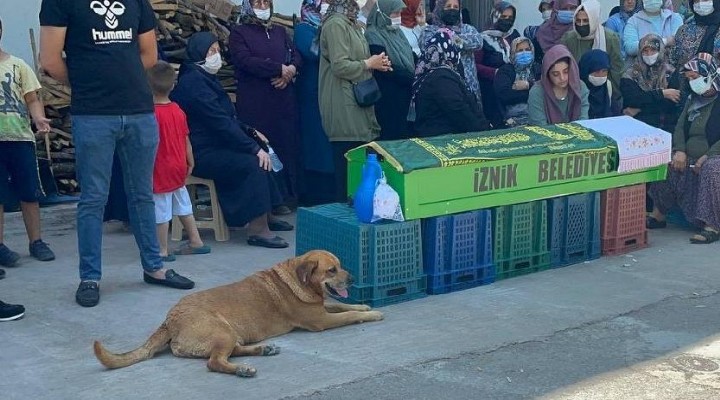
708 202
162 234
163 215
8 258
182 207
94 138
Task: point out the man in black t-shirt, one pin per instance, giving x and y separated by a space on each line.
109 44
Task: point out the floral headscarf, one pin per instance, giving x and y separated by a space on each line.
704 64
550 32
522 73
310 12
247 14
437 13
650 77
348 8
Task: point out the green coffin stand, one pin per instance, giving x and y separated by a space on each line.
456 173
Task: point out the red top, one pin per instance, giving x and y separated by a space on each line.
171 166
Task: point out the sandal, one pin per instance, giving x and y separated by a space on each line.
279 225
186 250
271 243
654 223
705 237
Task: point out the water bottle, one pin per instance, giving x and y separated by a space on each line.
363 199
275 162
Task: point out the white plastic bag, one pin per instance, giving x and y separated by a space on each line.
386 202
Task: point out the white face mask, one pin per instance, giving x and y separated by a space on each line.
262 14
323 8
396 21
546 15
597 80
651 60
212 64
704 8
701 85
652 6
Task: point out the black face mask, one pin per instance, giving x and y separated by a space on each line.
583 31
504 25
450 17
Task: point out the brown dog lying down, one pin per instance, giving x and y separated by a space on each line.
224 321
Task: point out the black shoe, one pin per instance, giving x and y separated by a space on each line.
8 258
276 225
88 294
653 223
41 251
2 273
172 279
281 210
11 312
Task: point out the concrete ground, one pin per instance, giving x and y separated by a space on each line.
644 326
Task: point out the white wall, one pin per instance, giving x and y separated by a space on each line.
287 7
18 16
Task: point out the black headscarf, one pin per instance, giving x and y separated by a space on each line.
198 46
599 97
712 22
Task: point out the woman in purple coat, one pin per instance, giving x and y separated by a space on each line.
266 63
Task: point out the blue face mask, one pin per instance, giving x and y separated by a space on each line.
524 58
565 16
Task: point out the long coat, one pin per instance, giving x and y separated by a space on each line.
344 49
579 47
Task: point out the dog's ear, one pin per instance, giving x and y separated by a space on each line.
305 270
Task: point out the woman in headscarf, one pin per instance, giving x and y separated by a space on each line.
693 182
594 66
648 92
587 34
345 59
546 9
514 80
384 37
701 35
266 63
441 101
447 15
655 18
317 164
561 96
412 23
495 53
552 30
223 149
617 22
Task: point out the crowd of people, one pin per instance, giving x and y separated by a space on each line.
391 69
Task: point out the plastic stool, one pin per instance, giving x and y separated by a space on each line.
217 223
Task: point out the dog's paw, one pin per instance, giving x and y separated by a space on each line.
245 371
362 307
375 316
270 350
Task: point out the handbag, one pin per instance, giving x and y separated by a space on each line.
366 92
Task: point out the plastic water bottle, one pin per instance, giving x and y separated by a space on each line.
275 162
363 199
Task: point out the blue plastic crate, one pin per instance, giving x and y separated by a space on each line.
457 242
375 254
436 244
388 293
574 234
461 280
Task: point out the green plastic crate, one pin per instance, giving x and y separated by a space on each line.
521 243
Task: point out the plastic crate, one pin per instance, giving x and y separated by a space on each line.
457 242
388 293
375 254
623 212
617 246
511 268
461 280
574 234
520 230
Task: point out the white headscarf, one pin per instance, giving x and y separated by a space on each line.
597 31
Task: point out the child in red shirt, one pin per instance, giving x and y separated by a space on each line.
173 164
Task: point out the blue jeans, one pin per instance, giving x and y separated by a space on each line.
96 138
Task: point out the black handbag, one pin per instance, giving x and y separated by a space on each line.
366 92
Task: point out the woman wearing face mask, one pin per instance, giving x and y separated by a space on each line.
594 66
223 149
441 101
495 53
412 23
345 59
514 80
617 22
653 18
588 34
266 63
552 30
649 94
693 182
447 16
545 9
561 96
701 35
384 37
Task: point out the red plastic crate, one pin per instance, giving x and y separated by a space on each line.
617 246
623 212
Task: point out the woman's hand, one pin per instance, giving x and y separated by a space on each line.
379 62
288 72
631 111
699 163
262 137
521 85
279 83
672 95
264 160
420 17
679 160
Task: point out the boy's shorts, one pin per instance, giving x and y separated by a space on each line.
172 203
18 164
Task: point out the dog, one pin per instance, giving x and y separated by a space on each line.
227 321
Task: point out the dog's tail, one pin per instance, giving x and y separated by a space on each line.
156 342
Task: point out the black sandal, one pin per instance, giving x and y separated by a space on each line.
654 223
707 236
273 243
